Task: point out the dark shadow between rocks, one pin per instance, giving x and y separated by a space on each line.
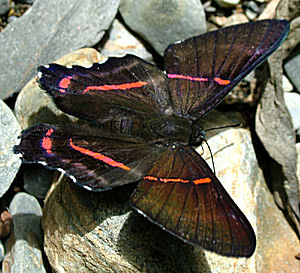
154 250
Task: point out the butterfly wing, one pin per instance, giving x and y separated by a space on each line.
202 70
182 195
94 159
120 86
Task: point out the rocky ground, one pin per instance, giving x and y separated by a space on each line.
48 224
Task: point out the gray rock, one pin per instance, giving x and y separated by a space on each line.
286 84
292 101
253 6
4 6
298 160
53 29
292 68
9 162
251 14
2 251
237 18
24 253
38 181
227 3
121 42
164 22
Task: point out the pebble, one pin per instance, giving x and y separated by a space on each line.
4 6
121 42
292 101
286 84
38 181
227 3
251 14
24 247
292 68
253 6
162 24
237 18
53 31
9 162
2 251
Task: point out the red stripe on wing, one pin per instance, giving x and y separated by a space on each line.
178 180
46 141
99 156
197 79
123 86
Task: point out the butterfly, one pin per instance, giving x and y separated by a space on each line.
143 124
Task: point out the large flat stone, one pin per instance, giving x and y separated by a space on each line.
49 30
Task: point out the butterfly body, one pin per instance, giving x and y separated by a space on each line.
144 123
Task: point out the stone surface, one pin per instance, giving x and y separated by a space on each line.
37 181
4 6
46 32
97 232
9 162
237 18
292 101
43 109
298 160
2 251
286 84
164 22
227 3
121 42
292 68
24 247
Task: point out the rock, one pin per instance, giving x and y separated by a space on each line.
164 22
251 14
24 255
292 101
2 251
298 160
38 181
44 110
122 42
286 84
4 6
97 232
237 18
269 11
253 6
292 68
53 31
227 3
9 162
5 224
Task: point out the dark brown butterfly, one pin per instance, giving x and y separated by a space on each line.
144 123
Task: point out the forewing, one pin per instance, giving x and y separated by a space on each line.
92 158
202 70
124 86
182 195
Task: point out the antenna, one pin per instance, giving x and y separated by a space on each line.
223 127
217 128
212 159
